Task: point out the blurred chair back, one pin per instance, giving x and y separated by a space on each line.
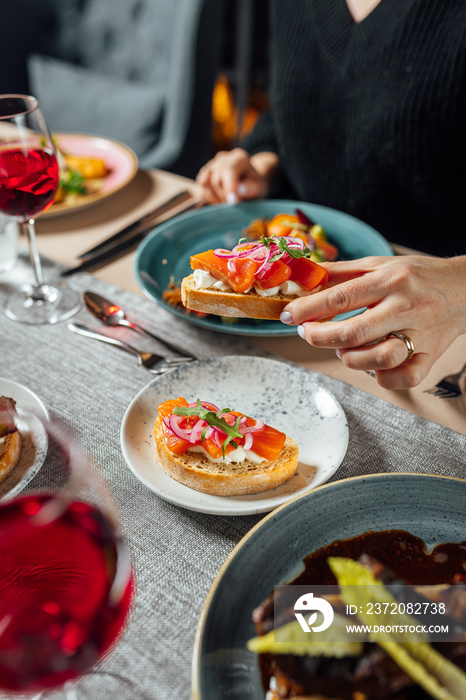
140 71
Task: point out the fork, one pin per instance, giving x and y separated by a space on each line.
156 364
448 387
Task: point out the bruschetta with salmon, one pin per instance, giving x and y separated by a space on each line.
220 451
254 279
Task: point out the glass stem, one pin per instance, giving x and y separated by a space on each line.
29 230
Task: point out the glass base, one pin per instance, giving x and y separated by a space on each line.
43 304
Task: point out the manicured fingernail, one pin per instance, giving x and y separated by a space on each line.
242 189
338 353
301 332
286 317
232 198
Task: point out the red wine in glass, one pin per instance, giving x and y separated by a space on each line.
29 178
64 592
28 181
66 581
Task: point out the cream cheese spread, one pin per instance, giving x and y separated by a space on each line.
237 455
204 280
287 288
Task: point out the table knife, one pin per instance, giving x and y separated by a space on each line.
142 221
120 248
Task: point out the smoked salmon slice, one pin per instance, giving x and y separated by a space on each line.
308 273
174 443
268 442
240 279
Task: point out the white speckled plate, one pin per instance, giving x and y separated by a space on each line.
34 439
285 396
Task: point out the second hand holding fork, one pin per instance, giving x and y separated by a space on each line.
448 387
156 364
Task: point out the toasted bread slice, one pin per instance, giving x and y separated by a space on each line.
250 305
10 450
221 479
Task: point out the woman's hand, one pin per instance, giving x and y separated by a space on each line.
419 296
234 175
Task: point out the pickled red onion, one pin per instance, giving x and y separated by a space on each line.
216 438
210 406
229 418
259 424
266 265
248 440
294 242
205 404
252 253
175 427
196 432
222 253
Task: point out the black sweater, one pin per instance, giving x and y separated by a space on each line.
370 118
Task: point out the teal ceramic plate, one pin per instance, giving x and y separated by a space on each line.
431 507
165 252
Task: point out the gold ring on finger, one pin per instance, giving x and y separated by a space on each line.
406 340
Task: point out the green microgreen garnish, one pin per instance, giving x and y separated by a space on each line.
73 181
283 247
212 418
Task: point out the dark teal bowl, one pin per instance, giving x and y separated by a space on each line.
165 252
431 507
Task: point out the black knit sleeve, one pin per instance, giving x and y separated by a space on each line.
262 137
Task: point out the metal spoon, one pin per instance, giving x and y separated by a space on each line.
113 315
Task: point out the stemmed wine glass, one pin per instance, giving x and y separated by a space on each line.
29 178
66 582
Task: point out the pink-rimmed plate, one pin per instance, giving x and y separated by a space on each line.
121 162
